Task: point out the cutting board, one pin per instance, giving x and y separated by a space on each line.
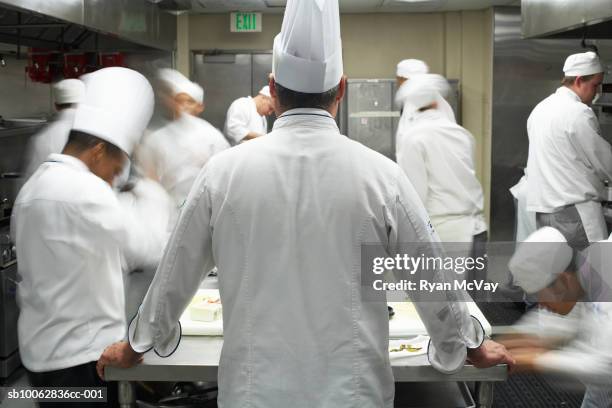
404 324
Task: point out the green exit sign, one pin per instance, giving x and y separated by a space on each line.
245 23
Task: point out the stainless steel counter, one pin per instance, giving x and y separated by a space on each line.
197 359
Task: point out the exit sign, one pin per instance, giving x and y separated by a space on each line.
245 23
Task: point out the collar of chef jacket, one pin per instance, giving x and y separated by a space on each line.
68 160
568 93
311 117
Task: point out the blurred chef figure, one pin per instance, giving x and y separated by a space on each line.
246 117
571 284
174 154
568 159
52 139
296 329
409 68
70 232
437 155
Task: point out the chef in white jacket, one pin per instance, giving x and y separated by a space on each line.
568 159
69 231
437 155
568 284
246 117
289 212
52 138
174 154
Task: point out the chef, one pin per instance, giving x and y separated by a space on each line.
174 154
568 159
577 285
409 68
297 331
246 117
69 231
52 139
437 155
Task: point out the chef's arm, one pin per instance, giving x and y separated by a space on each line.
251 135
596 151
586 364
187 255
455 334
236 126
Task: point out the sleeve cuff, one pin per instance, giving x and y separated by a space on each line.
141 338
478 335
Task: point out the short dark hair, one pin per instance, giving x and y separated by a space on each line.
81 141
570 80
290 99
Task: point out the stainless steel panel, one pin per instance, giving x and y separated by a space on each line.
524 73
260 74
68 10
225 78
140 22
545 17
369 114
9 311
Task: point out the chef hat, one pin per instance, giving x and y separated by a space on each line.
265 91
68 91
307 55
178 83
585 63
117 106
410 67
540 259
418 93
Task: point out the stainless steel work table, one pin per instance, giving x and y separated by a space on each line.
197 359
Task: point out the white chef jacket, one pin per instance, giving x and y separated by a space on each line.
178 151
51 139
68 228
568 159
283 218
438 157
242 118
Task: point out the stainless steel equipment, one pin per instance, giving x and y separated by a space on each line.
227 76
9 355
524 73
567 18
369 116
139 22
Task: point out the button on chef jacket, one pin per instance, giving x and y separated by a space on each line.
51 139
68 228
438 157
568 159
283 217
243 118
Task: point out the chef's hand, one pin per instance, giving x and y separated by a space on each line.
489 354
526 359
119 354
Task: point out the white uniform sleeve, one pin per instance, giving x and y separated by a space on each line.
188 254
237 122
444 313
588 357
411 158
595 151
147 210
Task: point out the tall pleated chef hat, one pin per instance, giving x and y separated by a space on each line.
68 91
584 63
117 106
410 67
307 54
265 91
179 83
540 259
